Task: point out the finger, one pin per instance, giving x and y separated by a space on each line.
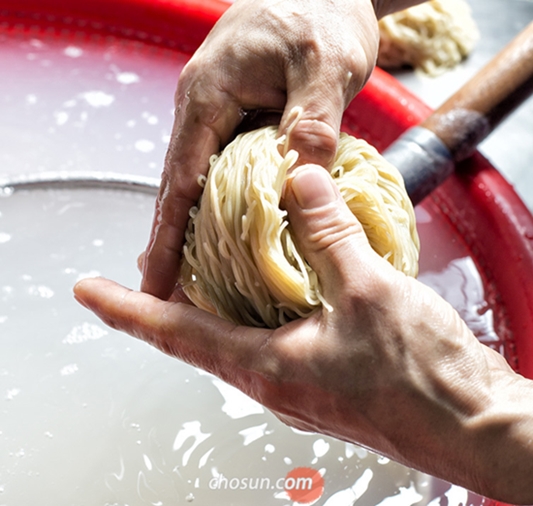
178 295
179 330
203 122
312 122
319 88
330 236
316 99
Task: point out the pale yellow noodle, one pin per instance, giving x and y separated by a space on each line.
432 37
240 259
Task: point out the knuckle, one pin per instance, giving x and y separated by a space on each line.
331 227
315 140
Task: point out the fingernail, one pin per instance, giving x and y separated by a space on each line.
313 187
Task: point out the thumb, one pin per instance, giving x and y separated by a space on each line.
329 236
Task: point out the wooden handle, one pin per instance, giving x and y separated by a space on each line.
473 112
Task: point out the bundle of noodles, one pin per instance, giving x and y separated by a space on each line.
240 260
432 37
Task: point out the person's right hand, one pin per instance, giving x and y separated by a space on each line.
266 55
391 366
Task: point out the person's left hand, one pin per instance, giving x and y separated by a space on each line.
261 55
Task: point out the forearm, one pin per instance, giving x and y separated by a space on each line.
451 406
504 435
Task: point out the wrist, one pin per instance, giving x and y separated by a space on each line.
384 7
502 439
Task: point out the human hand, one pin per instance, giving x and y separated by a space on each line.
262 55
392 367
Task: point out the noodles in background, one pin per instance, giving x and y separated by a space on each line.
432 37
240 259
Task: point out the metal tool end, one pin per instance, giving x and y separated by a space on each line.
423 160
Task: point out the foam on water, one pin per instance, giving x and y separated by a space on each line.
89 416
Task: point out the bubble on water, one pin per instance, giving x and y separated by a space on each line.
189 430
147 462
41 291
144 145
8 290
455 495
127 77
90 274
270 448
73 51
237 404
151 119
205 457
68 369
84 332
406 495
4 237
189 498
320 447
251 434
36 43
12 393
98 98
61 117
352 450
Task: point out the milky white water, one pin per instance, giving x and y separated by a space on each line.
89 416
